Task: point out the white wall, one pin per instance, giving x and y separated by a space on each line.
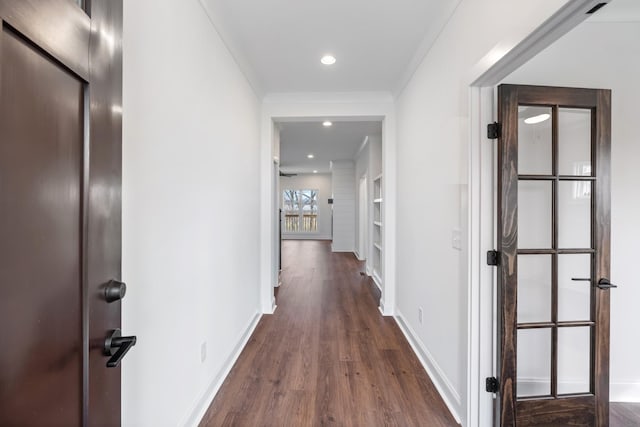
369 161
432 189
362 169
343 189
320 182
607 55
191 210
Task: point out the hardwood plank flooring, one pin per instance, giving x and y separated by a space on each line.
327 356
624 415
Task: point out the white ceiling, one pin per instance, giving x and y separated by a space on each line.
618 11
338 142
377 43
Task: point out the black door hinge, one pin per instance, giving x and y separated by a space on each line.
493 257
493 386
494 130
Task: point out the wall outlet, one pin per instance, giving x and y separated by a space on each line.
456 239
203 352
420 315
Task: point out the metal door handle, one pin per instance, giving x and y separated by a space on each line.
115 291
117 346
606 284
581 279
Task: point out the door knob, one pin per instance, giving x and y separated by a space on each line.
117 346
115 291
606 284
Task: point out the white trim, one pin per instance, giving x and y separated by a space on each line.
438 377
433 32
330 106
201 406
493 68
624 392
242 62
512 57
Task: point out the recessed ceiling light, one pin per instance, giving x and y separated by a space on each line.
537 119
315 171
328 60
327 124
310 156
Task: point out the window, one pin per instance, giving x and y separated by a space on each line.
300 211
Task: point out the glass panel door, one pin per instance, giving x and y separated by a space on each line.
554 202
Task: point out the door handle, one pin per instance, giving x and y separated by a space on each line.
606 284
117 346
581 279
115 291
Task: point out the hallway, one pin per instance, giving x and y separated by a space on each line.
327 356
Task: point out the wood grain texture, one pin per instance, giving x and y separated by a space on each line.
508 249
553 410
327 356
624 415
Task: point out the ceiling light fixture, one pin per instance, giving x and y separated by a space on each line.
328 60
310 156
315 171
537 119
327 124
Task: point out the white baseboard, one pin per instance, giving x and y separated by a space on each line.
357 254
624 392
443 385
338 249
200 408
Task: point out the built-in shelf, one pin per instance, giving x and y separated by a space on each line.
377 240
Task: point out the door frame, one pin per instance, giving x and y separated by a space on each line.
337 107
482 181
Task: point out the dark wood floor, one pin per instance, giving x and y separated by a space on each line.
624 415
327 356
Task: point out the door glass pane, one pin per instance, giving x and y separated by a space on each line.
574 360
534 362
574 142
534 214
534 141
574 297
534 288
574 214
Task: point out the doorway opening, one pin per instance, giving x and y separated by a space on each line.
329 187
565 52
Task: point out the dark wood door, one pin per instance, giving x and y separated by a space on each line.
554 243
60 180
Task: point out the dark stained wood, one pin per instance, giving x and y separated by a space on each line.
566 97
556 412
601 235
589 410
58 27
41 125
60 222
103 207
327 356
508 248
